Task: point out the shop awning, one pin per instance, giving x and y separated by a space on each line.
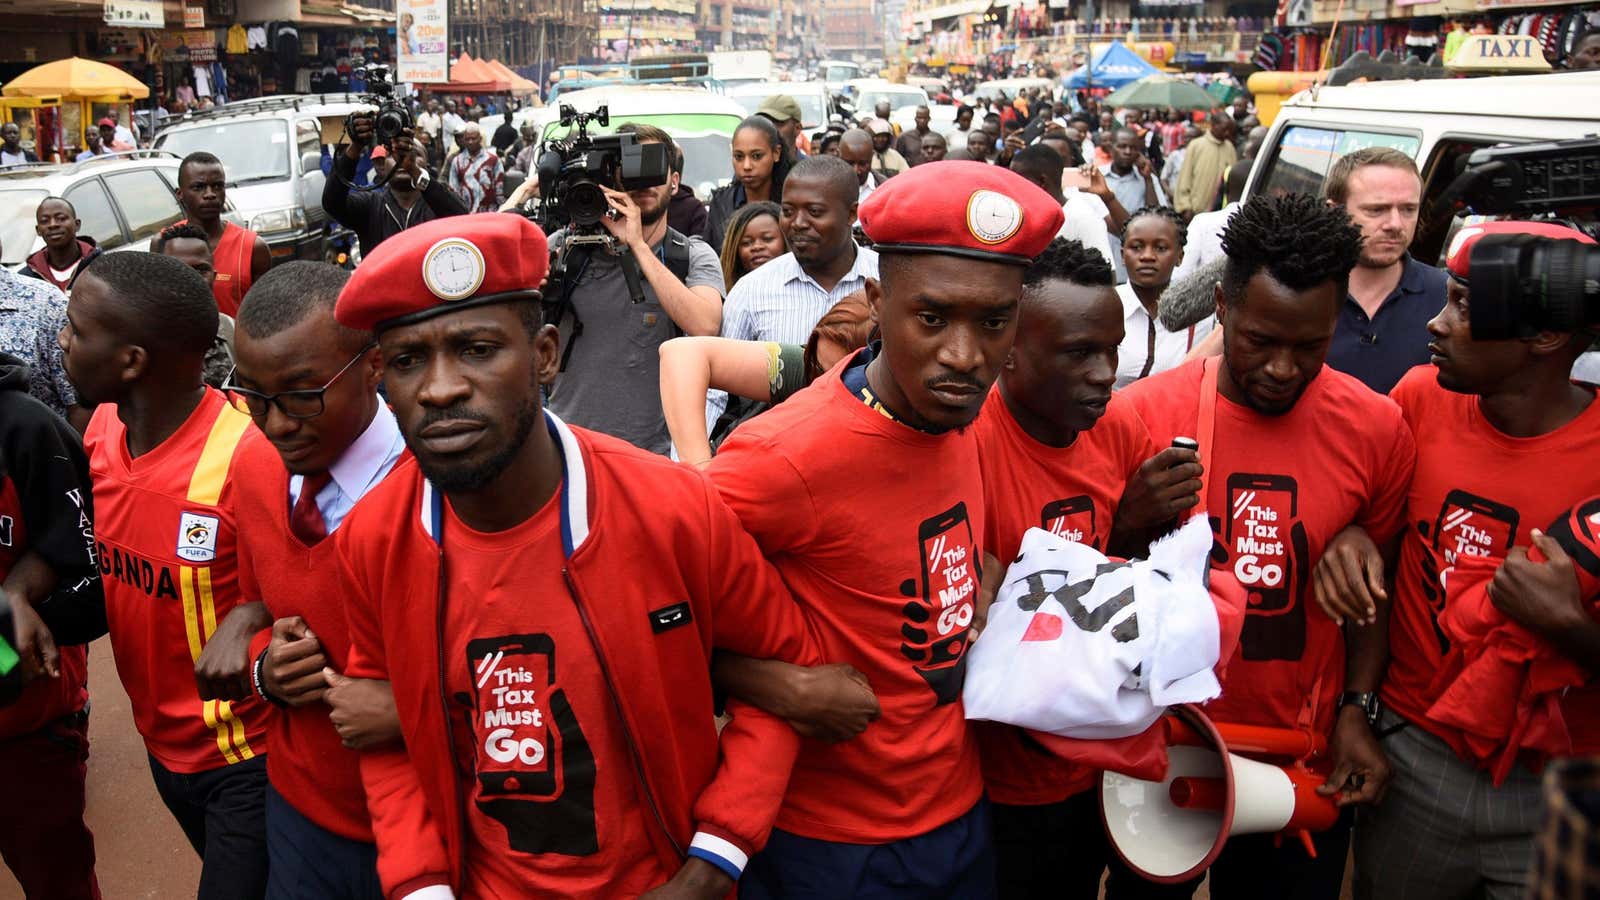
472 76
519 85
76 78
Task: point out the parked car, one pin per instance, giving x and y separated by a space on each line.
865 93
988 90
122 199
1436 122
811 95
941 118
271 149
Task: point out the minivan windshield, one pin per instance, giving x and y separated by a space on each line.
251 150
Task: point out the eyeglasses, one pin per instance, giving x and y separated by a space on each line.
306 404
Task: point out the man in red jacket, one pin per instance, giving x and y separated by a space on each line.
310 385
865 491
545 602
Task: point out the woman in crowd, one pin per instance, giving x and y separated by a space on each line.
760 165
760 370
753 238
1152 246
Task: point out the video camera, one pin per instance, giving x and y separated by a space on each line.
1523 284
573 171
392 117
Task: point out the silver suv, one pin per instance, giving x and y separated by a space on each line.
122 199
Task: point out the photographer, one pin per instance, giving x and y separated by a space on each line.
410 197
610 373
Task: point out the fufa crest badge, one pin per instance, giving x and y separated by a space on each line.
197 538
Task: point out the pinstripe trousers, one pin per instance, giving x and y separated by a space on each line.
1443 830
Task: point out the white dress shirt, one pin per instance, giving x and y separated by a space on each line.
1086 221
1204 243
1134 351
362 465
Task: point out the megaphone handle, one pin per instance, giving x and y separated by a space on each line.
1306 842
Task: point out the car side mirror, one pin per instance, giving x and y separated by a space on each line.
310 162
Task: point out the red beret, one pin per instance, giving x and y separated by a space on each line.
1458 260
963 208
445 265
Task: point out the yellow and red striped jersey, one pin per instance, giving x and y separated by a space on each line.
167 548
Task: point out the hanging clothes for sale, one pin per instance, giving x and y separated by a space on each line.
237 43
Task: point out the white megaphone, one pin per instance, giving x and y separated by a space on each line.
1171 831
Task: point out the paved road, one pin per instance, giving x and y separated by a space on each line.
142 854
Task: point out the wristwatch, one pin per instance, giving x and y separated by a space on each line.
423 180
1367 700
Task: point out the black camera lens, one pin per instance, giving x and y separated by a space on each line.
1523 284
585 203
390 124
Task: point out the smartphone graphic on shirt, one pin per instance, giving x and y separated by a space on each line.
536 773
1472 526
516 745
950 593
1072 519
1261 517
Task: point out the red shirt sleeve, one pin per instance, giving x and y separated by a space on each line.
1384 513
764 489
754 616
411 850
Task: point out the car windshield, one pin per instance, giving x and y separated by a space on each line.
811 113
16 223
838 71
870 97
250 149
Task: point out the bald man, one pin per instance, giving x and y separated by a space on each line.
475 173
855 148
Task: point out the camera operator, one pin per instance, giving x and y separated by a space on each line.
1493 417
611 369
411 196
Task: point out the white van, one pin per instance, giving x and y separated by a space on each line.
1437 122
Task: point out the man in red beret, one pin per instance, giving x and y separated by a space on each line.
544 601
1493 419
864 489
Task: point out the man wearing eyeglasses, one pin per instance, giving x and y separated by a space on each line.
311 387
163 451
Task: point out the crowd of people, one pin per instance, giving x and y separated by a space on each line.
338 525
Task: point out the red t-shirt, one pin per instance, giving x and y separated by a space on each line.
1477 491
232 259
552 805
874 526
167 541
1070 491
1278 488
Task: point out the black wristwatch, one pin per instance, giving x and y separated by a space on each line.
1367 700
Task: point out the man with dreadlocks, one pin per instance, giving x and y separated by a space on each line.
1294 452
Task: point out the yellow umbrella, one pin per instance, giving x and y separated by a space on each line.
76 78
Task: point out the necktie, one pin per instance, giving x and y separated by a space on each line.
305 520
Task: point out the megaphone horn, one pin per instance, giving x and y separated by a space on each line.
1172 831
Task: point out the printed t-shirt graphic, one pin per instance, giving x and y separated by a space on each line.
1477 492
885 566
1279 488
554 805
167 546
1069 491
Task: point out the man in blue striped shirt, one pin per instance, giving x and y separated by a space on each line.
782 300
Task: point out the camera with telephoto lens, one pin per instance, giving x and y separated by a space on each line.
392 117
572 172
1524 284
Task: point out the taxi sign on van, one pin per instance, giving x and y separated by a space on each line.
1499 53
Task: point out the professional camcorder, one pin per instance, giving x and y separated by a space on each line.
392 117
1523 284
573 171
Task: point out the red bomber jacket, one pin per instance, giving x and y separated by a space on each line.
642 536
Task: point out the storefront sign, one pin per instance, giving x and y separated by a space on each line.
422 29
194 16
135 14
